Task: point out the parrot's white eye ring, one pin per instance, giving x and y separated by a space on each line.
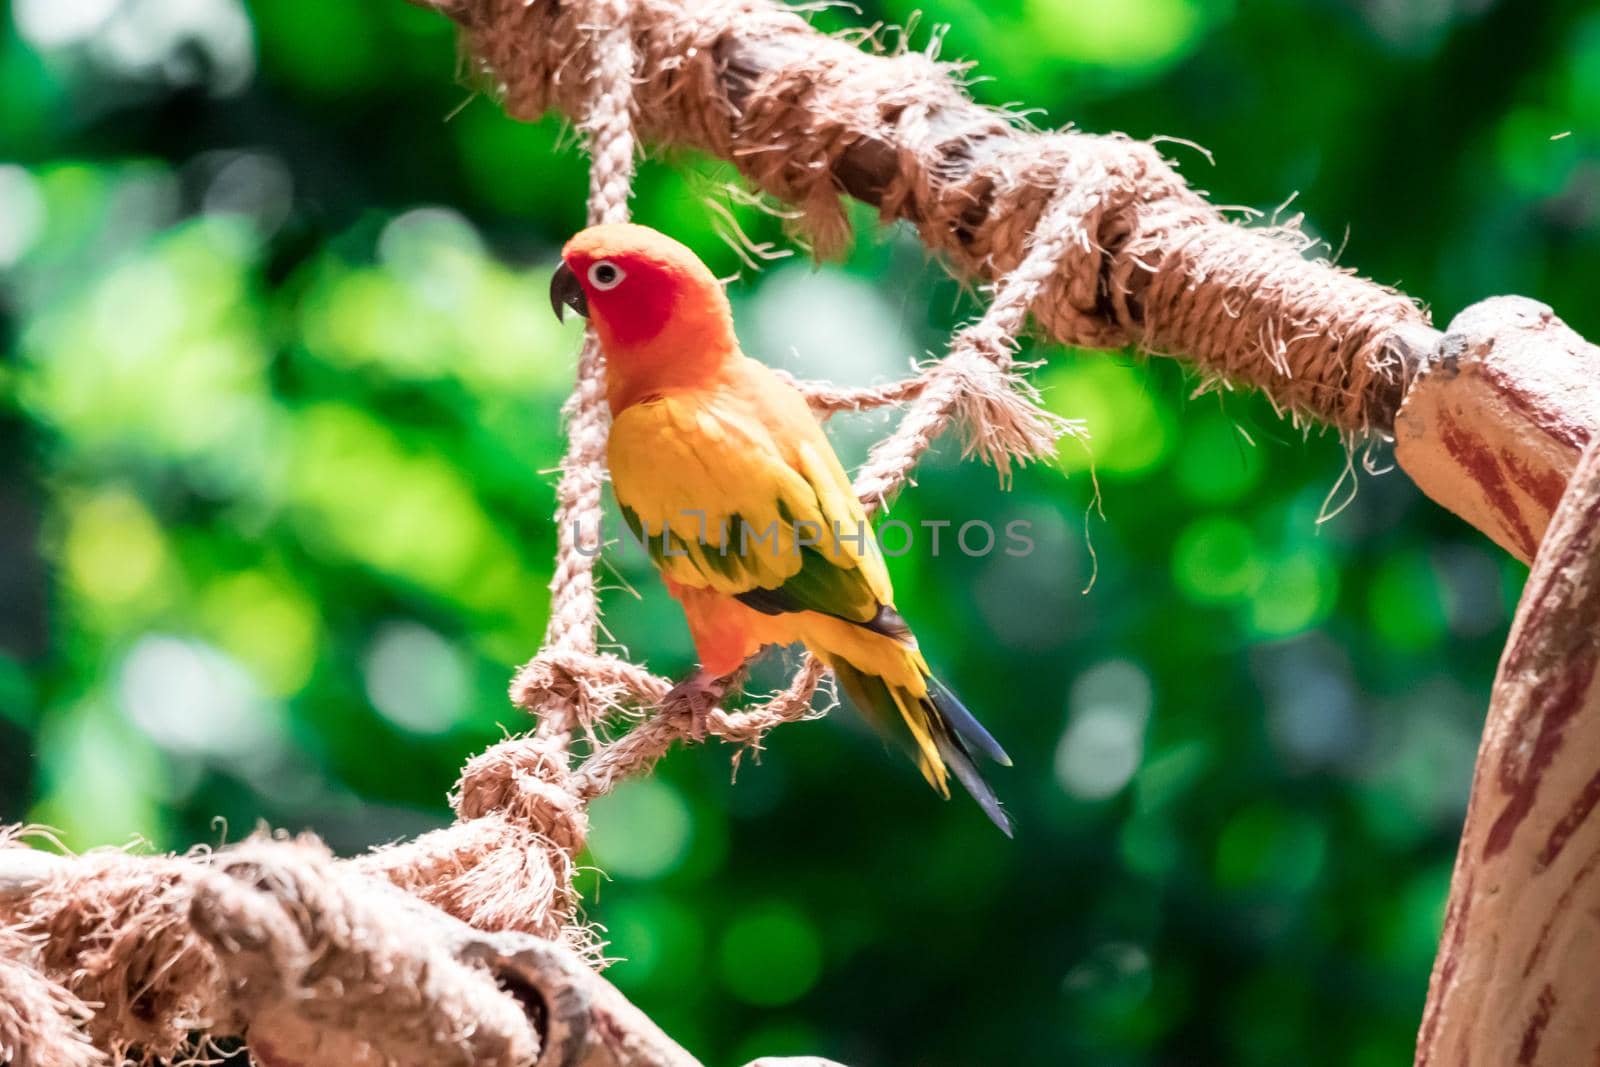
605 274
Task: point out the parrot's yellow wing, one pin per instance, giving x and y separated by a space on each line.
738 490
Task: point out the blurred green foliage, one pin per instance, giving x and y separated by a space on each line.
280 394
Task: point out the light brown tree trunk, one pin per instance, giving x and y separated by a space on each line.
1517 978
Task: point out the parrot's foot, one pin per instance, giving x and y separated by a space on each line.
699 694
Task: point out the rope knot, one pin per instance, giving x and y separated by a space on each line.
526 780
553 679
589 684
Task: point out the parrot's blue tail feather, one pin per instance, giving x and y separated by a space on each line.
964 723
935 722
960 764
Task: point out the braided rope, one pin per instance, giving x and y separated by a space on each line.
574 613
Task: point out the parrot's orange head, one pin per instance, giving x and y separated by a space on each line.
640 288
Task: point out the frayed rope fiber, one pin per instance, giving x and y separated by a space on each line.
270 938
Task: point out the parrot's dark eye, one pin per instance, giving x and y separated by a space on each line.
605 275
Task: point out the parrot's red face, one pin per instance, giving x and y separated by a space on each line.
634 284
662 318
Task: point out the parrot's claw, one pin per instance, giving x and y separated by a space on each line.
699 695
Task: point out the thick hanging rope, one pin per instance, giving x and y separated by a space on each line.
41 1023
1150 264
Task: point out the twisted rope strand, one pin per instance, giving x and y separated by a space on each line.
516 799
574 611
640 748
827 399
975 384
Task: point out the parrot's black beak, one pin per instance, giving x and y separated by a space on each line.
565 292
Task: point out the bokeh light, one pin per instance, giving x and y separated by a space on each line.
641 830
769 955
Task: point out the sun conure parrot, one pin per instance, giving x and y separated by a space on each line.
725 475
